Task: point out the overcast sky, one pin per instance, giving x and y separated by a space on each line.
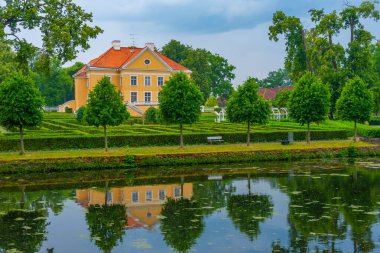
235 29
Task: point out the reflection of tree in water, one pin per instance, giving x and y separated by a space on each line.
106 224
212 194
23 230
182 223
248 211
321 208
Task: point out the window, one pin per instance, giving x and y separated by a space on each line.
147 62
149 215
160 81
135 197
133 96
148 97
133 80
147 81
109 197
161 195
148 196
177 192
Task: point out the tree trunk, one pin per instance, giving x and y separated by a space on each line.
335 65
305 49
355 132
106 193
105 138
22 141
182 183
248 134
181 135
352 32
249 184
308 132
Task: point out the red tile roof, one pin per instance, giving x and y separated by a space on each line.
270 93
116 59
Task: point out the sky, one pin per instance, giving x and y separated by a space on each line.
235 29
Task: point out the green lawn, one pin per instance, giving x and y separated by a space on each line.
11 156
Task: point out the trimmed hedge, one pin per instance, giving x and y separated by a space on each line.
81 142
375 121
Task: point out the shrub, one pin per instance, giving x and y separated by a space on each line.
151 115
211 102
68 110
80 114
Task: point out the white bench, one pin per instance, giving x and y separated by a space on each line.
212 139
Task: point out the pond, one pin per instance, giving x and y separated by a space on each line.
330 206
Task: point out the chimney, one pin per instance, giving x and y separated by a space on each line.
116 44
150 45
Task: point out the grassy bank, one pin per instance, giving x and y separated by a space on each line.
91 159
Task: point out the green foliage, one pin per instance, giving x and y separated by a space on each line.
64 27
183 224
80 114
248 211
105 105
68 110
282 98
211 72
151 115
7 59
107 225
180 100
276 78
356 102
211 102
309 101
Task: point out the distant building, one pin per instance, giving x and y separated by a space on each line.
138 73
270 93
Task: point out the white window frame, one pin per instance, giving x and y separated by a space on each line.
163 81
150 81
130 80
159 195
180 193
137 96
146 196
150 101
138 197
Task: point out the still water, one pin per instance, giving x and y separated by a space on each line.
292 207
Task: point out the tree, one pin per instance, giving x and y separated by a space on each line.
211 102
183 223
276 78
355 103
80 114
64 27
282 98
106 224
176 51
246 106
7 58
180 101
151 115
105 107
309 102
20 104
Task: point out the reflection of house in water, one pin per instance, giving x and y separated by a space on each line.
144 203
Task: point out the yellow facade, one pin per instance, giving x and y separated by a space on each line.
146 208
138 82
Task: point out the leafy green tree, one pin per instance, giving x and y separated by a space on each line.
183 223
376 95
222 74
211 102
20 104
80 114
151 115
7 58
105 107
176 51
246 106
309 102
282 98
180 102
107 225
355 103
276 78
64 27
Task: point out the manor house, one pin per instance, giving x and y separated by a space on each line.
137 73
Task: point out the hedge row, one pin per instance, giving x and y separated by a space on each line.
75 142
